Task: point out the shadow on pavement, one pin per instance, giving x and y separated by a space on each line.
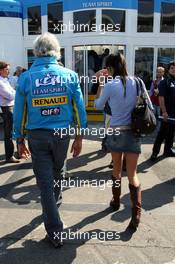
147 164
154 197
42 252
12 188
9 190
13 167
84 159
39 252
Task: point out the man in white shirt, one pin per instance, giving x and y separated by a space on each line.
7 96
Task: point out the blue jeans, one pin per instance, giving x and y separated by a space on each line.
157 114
48 153
156 110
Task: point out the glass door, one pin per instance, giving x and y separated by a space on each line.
96 60
80 67
87 60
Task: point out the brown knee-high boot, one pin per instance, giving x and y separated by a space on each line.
116 191
136 200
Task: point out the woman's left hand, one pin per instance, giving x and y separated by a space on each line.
103 73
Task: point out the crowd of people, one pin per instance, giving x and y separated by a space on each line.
43 104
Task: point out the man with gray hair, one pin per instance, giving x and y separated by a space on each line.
45 98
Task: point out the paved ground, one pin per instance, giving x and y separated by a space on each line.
85 210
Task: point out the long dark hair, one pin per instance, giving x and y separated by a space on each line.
118 63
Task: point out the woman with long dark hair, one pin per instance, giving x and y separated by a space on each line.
121 93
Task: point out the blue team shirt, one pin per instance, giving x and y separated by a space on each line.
47 96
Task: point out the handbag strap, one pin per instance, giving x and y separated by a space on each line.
137 86
142 92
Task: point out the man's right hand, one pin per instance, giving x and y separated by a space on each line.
77 146
23 151
165 116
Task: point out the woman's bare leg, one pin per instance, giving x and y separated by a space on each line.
131 167
116 180
117 164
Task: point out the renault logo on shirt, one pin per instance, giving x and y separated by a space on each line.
49 101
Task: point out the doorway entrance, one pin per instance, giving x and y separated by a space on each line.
87 60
